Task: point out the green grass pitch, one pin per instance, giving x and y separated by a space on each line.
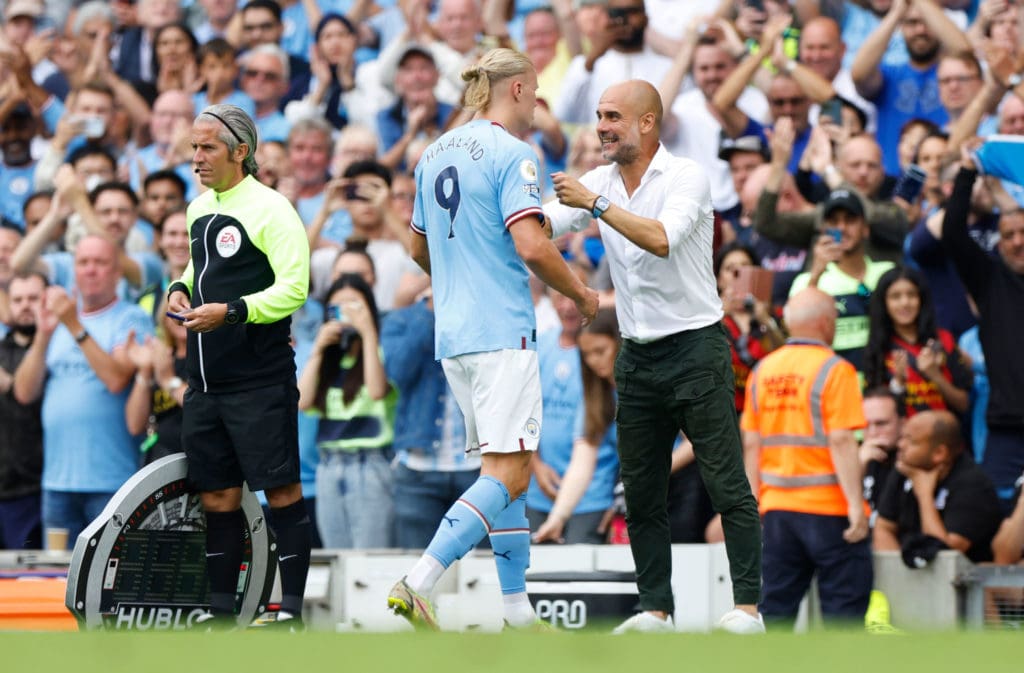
590 652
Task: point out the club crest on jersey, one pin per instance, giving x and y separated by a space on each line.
528 170
532 428
18 185
229 240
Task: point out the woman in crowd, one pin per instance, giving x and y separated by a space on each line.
155 402
586 491
334 91
344 383
907 352
748 322
175 53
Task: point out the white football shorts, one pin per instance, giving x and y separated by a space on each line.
499 394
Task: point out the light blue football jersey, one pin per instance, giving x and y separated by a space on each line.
472 184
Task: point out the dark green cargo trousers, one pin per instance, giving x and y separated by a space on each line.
683 382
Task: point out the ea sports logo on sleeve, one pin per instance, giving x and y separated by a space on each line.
229 240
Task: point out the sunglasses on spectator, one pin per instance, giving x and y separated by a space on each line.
262 74
253 27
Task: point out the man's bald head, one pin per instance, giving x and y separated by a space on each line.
639 96
944 430
811 314
629 123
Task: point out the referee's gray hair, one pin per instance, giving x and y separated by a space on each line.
238 128
95 9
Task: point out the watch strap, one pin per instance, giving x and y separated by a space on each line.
240 309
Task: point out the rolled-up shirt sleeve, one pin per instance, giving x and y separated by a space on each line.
564 219
687 203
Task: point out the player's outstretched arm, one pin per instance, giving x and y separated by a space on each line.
543 258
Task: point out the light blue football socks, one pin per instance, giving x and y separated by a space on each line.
510 540
465 524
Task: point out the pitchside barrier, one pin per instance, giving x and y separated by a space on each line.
571 586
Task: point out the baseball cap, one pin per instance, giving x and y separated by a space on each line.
16 8
415 48
843 199
754 143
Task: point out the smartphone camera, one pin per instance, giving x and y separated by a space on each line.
352 192
832 109
93 127
910 183
836 234
335 313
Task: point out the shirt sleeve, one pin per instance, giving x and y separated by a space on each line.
889 498
518 189
564 219
283 240
687 203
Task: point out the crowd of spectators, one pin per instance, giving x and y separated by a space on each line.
859 146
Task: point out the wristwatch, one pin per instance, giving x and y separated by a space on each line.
601 204
81 336
233 315
1014 80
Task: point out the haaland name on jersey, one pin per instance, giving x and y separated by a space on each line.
468 143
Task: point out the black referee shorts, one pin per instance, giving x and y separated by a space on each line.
249 436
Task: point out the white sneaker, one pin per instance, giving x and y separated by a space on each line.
740 622
645 622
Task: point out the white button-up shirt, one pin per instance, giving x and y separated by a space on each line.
655 296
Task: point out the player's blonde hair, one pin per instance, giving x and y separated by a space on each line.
495 66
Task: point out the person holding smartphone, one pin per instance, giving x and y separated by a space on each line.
344 383
748 321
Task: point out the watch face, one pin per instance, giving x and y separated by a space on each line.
231 317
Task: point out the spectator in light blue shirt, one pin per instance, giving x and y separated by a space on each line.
78 358
18 167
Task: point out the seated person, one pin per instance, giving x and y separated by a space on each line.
939 492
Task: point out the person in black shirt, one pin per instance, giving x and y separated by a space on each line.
939 492
21 430
884 413
997 287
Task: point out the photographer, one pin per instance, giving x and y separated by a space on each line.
748 321
345 383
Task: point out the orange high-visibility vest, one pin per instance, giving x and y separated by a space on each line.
795 397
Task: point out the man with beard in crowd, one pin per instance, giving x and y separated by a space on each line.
910 90
21 431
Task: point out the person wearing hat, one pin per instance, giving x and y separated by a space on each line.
941 498
249 271
841 268
20 18
742 156
417 111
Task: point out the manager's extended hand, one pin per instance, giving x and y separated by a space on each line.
571 192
